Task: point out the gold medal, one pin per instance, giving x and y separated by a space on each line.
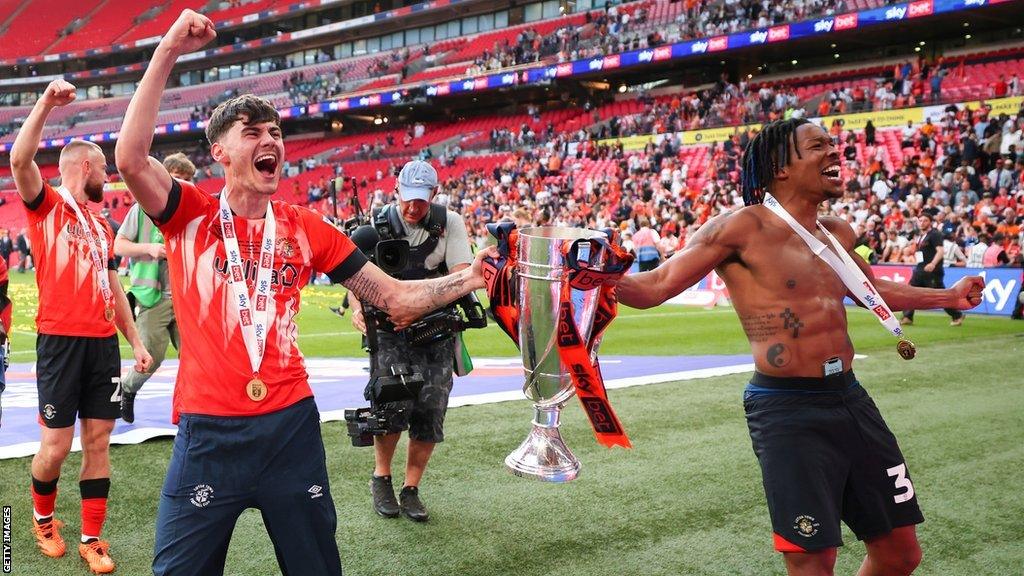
108 314
256 390
906 349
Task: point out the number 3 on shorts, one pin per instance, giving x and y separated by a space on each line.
902 482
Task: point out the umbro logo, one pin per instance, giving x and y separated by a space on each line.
316 491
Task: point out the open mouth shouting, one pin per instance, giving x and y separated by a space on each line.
833 174
266 164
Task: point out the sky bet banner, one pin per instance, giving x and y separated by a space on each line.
1002 286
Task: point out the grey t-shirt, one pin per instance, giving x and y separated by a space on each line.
452 248
129 230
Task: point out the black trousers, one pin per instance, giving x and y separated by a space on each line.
933 279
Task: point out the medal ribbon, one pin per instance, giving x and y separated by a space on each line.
252 311
843 265
94 254
502 290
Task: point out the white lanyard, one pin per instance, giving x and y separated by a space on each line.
843 265
254 323
94 254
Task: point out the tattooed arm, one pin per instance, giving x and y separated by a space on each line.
405 301
715 241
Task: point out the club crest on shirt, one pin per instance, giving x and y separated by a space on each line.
285 247
805 525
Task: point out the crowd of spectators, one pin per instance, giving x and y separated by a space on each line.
963 169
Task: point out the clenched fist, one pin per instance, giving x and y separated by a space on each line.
967 292
58 93
190 32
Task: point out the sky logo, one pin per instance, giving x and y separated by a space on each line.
699 47
645 56
824 25
896 13
759 37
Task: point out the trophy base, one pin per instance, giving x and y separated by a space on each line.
543 455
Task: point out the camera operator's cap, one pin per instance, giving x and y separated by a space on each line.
417 181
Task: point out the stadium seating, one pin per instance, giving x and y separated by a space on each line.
159 24
38 23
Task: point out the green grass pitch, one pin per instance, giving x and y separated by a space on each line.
687 500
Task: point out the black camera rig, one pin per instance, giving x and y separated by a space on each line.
391 396
391 391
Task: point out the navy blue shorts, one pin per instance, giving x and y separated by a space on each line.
826 456
222 465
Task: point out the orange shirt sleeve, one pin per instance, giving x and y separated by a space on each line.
41 206
332 252
185 202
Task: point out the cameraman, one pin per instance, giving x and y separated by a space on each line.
439 245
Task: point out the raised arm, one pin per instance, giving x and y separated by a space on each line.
405 301
714 241
146 178
23 164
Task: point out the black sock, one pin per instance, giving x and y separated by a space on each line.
44 488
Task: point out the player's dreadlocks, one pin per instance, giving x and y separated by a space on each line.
765 154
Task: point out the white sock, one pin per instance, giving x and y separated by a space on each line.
87 538
39 516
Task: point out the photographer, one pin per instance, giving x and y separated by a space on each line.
438 245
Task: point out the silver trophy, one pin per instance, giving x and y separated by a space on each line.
541 271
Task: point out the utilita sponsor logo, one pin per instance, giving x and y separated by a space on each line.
699 47
718 43
611 61
846 21
778 33
480 83
564 69
663 53
918 9
759 37
823 25
896 13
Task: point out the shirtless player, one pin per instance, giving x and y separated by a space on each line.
826 454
